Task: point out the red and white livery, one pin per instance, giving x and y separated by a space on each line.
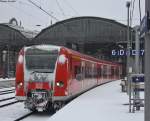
47 76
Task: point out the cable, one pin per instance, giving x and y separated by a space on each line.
61 10
43 10
28 14
67 27
140 9
67 3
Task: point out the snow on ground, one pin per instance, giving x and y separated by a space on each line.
7 96
7 101
5 89
104 103
12 112
39 116
7 79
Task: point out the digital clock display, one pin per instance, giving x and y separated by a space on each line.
126 53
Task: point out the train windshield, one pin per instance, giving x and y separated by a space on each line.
41 60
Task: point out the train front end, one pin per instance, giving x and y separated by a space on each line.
35 76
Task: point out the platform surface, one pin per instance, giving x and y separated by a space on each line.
103 103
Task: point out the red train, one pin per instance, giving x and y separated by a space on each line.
47 76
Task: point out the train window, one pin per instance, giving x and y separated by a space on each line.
95 72
120 70
117 71
99 71
83 71
109 71
77 70
88 71
105 71
42 60
112 72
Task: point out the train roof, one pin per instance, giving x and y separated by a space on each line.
84 56
73 52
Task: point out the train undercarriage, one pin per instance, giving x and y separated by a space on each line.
41 100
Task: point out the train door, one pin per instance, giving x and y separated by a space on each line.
94 74
115 72
108 72
76 82
105 73
99 73
112 73
83 73
120 72
102 73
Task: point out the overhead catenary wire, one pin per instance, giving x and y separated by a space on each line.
60 8
39 7
26 13
70 30
67 3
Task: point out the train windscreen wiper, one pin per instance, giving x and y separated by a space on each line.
42 71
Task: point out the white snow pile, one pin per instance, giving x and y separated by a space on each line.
104 103
7 79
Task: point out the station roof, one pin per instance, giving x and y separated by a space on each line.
15 35
83 29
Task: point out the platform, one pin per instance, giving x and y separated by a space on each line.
103 103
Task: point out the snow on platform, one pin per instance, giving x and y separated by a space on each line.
104 103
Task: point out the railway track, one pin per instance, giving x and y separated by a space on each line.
7 92
7 104
23 117
7 99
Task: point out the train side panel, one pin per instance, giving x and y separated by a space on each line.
20 94
75 83
62 76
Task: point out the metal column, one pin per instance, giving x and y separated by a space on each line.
147 67
147 77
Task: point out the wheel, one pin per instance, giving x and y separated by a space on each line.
138 108
50 108
58 105
33 109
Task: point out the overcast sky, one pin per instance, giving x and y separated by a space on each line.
30 16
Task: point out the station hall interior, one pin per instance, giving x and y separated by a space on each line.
90 35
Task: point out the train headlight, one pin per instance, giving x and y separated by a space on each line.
62 59
60 84
20 59
19 85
